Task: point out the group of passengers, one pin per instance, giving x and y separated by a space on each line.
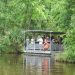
45 41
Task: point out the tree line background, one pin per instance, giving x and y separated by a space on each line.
54 15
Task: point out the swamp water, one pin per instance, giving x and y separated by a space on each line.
33 65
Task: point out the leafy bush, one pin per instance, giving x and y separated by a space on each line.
69 47
12 41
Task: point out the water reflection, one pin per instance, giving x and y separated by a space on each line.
39 65
33 65
36 65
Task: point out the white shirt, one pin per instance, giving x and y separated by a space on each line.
40 40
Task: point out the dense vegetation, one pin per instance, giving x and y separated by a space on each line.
18 15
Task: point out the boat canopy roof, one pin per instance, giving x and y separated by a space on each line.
44 31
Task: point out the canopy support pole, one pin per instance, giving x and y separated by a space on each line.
50 41
34 40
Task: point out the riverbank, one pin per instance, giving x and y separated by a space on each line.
64 58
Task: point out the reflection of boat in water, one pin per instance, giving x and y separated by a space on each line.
36 60
38 64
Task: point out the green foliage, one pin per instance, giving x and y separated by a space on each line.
69 45
12 40
18 15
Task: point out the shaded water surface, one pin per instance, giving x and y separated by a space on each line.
33 65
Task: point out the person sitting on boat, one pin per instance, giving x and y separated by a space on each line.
40 40
46 44
32 40
59 39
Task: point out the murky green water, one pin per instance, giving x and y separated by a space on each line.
33 65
